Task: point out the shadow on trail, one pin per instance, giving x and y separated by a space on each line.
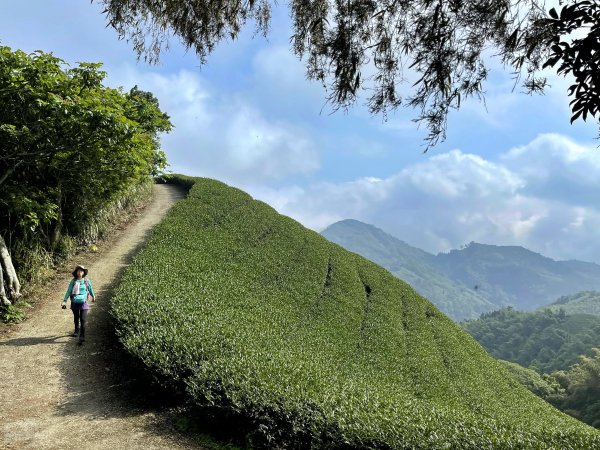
100 378
20 342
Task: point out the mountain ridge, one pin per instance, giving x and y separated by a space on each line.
584 302
475 279
410 264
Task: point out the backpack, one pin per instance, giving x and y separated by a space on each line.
79 301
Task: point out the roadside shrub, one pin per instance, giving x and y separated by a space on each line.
11 313
116 211
180 180
65 248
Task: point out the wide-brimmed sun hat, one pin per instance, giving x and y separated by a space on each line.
77 267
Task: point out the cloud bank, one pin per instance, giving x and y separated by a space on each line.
222 135
542 195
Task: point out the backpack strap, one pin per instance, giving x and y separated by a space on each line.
87 288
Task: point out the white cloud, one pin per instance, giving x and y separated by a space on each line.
220 135
323 203
267 150
279 78
455 174
558 168
454 198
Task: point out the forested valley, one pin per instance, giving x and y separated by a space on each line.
552 353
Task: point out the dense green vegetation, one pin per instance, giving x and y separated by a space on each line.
586 302
580 394
564 366
313 346
543 340
544 386
412 265
69 148
575 391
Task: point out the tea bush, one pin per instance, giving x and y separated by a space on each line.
246 310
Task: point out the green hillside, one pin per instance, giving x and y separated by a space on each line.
314 346
543 340
412 265
586 302
515 276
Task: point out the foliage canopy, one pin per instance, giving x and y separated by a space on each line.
543 340
584 302
68 145
438 47
581 384
575 391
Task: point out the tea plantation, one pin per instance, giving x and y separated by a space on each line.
315 347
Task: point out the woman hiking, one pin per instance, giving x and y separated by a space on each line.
79 289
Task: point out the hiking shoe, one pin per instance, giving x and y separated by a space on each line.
75 333
81 341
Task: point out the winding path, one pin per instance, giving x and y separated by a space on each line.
55 394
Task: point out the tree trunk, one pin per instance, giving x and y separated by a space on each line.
10 276
56 231
3 298
9 172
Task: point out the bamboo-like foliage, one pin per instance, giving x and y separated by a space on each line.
316 347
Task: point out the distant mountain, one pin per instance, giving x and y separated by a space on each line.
515 276
475 279
412 265
586 302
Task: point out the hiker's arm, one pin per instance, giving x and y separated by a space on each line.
91 290
69 290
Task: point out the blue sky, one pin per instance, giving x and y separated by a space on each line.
511 172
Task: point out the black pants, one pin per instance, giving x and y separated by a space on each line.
80 319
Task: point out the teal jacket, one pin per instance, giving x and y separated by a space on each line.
83 292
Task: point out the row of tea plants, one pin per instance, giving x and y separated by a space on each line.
248 311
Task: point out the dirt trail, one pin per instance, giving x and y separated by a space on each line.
58 395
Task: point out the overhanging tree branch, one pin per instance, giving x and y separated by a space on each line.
440 43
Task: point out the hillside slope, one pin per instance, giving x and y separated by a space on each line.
412 265
314 346
515 276
586 302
